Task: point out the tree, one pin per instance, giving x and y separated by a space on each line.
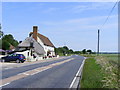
9 38
71 51
77 52
89 51
7 41
59 50
66 48
5 45
63 50
84 51
1 32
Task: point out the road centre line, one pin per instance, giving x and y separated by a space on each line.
6 81
25 73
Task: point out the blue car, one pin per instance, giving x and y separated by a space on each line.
14 57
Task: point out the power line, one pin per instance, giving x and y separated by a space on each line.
109 14
98 46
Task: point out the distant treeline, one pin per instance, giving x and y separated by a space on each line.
109 53
65 50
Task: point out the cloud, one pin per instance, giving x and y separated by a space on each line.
81 27
92 6
50 10
81 21
90 20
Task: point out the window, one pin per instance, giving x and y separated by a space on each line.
28 53
31 52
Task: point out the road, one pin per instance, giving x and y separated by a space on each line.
51 74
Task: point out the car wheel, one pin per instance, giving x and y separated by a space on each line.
3 60
17 61
22 61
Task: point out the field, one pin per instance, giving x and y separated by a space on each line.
100 71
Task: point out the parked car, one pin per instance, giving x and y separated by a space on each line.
14 57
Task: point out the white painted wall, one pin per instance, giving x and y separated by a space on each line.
25 53
46 48
30 58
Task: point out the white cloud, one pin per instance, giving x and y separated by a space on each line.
50 10
98 20
93 6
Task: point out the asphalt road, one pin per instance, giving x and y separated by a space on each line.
14 71
58 75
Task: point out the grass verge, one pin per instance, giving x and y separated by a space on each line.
109 65
92 75
101 72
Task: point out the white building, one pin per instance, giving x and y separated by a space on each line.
36 46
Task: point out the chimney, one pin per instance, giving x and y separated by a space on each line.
35 30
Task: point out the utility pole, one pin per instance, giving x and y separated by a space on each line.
98 47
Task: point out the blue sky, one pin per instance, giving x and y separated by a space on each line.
73 24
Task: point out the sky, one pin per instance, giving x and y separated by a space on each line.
74 24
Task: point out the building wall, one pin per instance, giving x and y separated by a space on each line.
29 56
24 53
46 48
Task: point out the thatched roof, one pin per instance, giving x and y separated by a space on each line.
44 39
26 44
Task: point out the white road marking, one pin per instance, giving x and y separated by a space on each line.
37 70
34 73
79 71
8 68
25 73
5 84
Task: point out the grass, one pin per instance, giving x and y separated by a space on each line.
92 75
101 71
109 65
88 55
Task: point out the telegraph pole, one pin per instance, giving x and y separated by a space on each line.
98 47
